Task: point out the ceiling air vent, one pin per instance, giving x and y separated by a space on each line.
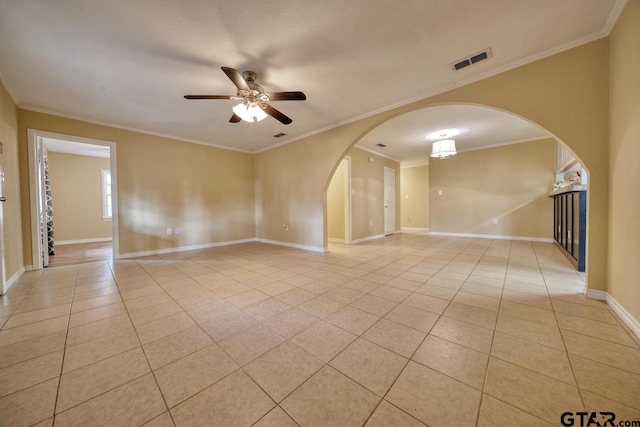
381 145
279 135
477 57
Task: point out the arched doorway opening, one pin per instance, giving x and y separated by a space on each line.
507 198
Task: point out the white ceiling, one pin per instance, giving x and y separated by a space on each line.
130 63
405 136
77 148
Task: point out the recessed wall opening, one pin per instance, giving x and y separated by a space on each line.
73 199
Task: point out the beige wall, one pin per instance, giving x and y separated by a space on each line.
11 187
336 203
566 94
76 191
414 197
508 183
367 198
624 160
205 191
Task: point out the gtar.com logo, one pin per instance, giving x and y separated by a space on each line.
588 419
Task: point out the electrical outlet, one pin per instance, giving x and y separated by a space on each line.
495 221
439 192
286 226
169 232
177 230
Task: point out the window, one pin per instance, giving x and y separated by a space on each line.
107 211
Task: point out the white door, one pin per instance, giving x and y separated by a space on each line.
3 279
389 201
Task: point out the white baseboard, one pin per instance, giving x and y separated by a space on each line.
291 245
366 239
626 317
13 279
185 248
492 236
92 240
335 240
595 294
28 268
414 229
622 312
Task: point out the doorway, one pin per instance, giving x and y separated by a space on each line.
3 279
72 150
339 204
389 201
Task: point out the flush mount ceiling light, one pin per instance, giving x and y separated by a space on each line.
445 133
249 112
443 149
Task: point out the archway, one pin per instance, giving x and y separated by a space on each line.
518 208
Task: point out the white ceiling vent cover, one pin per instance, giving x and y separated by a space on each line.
470 60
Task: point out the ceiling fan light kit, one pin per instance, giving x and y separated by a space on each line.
254 105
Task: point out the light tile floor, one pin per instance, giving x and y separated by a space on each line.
406 330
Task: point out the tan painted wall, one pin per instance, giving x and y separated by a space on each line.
207 192
367 203
567 94
414 197
624 160
11 187
76 191
336 203
508 183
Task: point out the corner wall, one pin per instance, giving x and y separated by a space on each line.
11 186
566 94
76 192
624 160
207 192
508 183
414 197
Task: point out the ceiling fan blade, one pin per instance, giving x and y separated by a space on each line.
235 119
236 78
277 114
286 96
207 96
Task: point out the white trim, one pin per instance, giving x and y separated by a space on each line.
616 11
127 128
348 220
596 294
29 268
32 138
105 205
413 229
492 236
408 164
335 240
376 153
366 239
626 317
292 245
502 144
185 248
13 279
91 240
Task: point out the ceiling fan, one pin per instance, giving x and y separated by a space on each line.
254 105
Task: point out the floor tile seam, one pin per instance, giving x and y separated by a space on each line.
56 414
493 333
517 407
100 360
4 328
566 350
634 347
64 355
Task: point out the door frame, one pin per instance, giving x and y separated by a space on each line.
391 199
347 200
3 273
36 188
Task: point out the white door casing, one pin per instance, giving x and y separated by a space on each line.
389 201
